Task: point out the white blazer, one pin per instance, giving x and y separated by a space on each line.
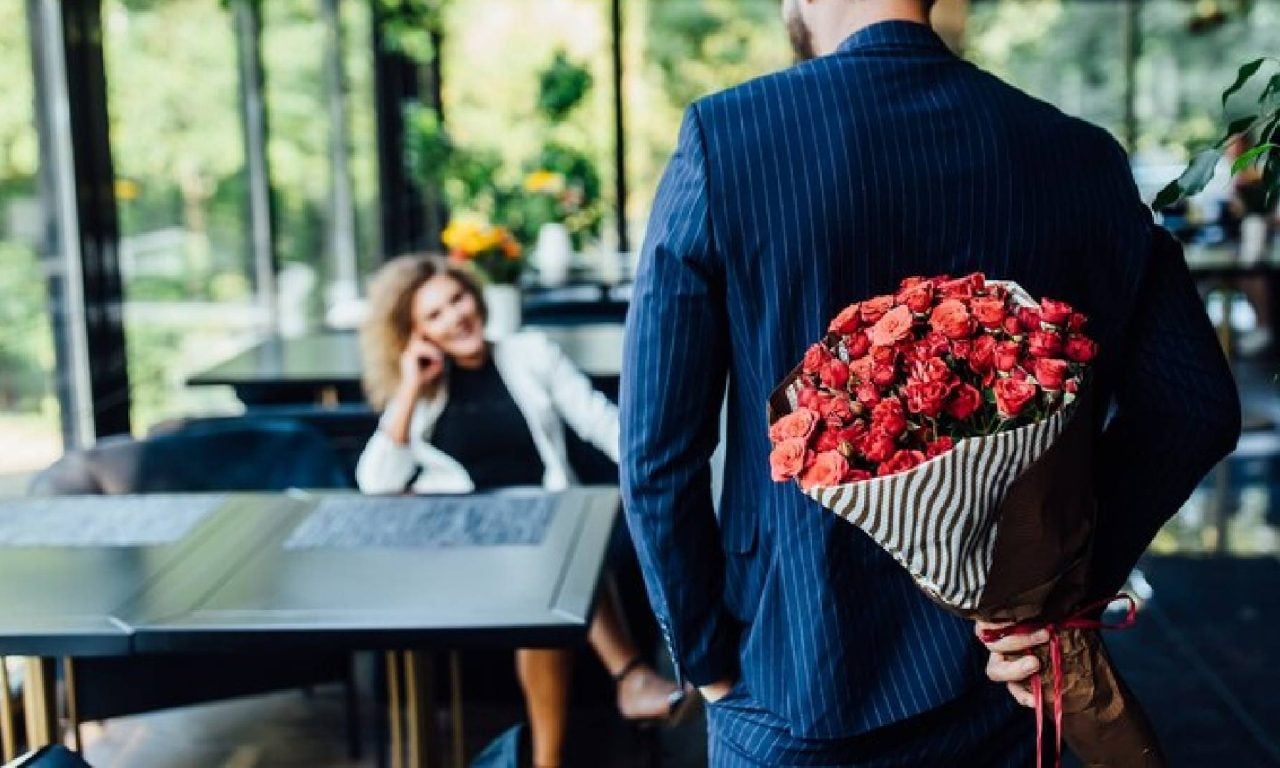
546 386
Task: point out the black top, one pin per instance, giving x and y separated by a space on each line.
484 431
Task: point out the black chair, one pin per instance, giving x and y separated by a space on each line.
224 455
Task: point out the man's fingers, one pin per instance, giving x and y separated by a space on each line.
1011 670
1022 695
1016 643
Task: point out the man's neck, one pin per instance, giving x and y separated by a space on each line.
857 16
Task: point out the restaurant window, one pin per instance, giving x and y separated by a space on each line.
30 436
181 186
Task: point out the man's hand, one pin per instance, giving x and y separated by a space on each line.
715 691
1009 663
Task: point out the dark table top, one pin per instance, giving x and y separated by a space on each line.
333 359
256 571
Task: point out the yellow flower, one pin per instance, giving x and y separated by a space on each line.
544 182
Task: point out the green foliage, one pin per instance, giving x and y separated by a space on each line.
26 343
1263 122
407 26
561 87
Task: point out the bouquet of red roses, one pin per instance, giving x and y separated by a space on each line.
952 422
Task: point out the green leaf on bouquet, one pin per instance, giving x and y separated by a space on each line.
1194 179
1246 71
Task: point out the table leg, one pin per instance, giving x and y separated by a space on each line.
8 738
73 708
38 695
394 713
419 701
455 707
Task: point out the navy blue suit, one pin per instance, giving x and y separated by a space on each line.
787 198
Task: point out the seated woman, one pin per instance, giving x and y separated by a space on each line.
463 414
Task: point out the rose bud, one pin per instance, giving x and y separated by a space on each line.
848 321
787 459
800 423
815 358
834 374
966 400
1006 355
1072 386
988 311
828 469
1055 312
1044 344
1029 319
874 309
1012 396
1050 372
1081 349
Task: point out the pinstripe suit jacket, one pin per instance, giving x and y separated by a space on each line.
789 197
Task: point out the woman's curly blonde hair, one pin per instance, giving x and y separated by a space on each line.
385 331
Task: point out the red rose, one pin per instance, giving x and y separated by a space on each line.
1006 355
1012 326
934 344
951 319
815 358
932 369
893 327
828 440
901 462
961 287
787 459
908 283
834 374
857 476
1055 312
809 397
1012 396
860 369
966 400
799 424
836 412
879 446
828 469
848 321
1029 319
1050 372
884 375
874 309
988 311
1076 323
867 393
1081 349
982 355
939 447
854 435
1072 386
926 398
884 355
1044 344
960 349
858 345
887 417
918 298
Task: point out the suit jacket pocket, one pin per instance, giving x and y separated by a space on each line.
743 566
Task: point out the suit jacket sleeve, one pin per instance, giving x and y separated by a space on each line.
675 360
1176 415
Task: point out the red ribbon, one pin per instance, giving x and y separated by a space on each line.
1081 619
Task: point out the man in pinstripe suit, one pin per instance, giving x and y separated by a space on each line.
788 197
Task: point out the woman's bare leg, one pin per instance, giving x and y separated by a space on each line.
545 674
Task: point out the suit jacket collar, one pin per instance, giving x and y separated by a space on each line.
893 35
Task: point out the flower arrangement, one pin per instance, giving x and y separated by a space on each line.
489 249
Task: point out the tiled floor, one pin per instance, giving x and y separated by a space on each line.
1204 657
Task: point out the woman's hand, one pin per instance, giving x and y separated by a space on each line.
421 365
1011 662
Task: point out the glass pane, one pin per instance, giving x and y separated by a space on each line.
1067 52
181 187
677 51
30 436
495 55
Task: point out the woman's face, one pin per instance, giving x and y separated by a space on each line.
445 313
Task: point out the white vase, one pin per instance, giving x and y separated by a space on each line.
503 303
553 254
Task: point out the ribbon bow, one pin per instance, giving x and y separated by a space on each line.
1081 619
